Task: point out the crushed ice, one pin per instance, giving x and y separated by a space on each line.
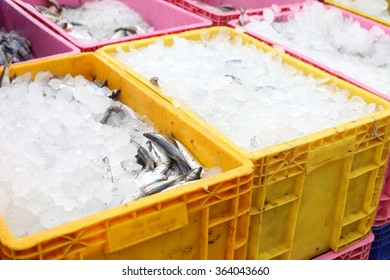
58 160
338 42
244 92
95 21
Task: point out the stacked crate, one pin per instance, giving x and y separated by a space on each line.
383 209
289 178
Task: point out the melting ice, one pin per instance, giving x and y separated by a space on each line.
246 93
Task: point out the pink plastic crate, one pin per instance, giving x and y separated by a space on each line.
165 17
253 7
359 251
383 211
44 42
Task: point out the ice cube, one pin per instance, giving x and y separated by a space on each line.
99 104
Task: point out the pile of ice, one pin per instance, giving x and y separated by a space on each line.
246 93
377 8
58 161
333 40
97 20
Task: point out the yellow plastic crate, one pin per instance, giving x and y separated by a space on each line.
312 194
206 219
358 12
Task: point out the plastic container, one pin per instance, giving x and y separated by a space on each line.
44 42
253 7
206 219
355 11
165 17
359 251
383 215
380 249
312 194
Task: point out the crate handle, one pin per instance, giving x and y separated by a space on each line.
146 226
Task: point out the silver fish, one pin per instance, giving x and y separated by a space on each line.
190 159
114 93
124 31
143 157
161 186
148 178
15 45
154 81
226 8
112 110
171 149
241 18
4 77
159 155
99 83
161 159
2 56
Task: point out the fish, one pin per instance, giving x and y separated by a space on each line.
226 8
220 8
124 31
169 169
171 149
147 178
241 18
4 77
154 81
98 82
13 44
115 93
159 155
143 157
2 56
190 159
110 110
163 185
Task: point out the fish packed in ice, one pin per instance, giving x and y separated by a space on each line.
95 21
248 94
69 149
217 8
337 41
13 45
